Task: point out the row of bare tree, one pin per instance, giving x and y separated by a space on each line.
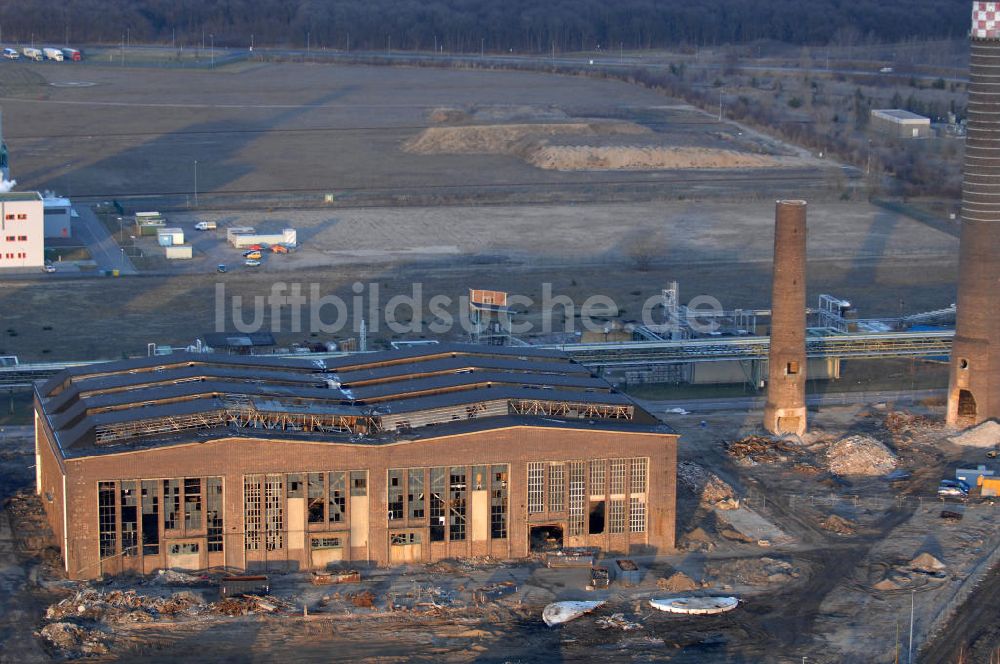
471 25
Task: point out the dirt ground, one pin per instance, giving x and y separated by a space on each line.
301 130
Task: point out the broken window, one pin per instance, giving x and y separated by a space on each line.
456 504
171 504
316 498
192 504
295 485
106 519
150 518
337 507
498 502
595 524
415 493
252 513
557 487
536 488
577 479
213 513
130 519
403 539
437 504
274 514
326 543
616 516
395 494
183 549
359 483
480 475
637 515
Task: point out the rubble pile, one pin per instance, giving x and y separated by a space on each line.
121 606
752 450
986 434
678 582
752 571
697 540
617 621
72 641
169 577
860 455
906 424
709 487
838 524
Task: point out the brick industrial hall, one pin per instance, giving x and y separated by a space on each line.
197 461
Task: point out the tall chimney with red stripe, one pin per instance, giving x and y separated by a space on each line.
974 385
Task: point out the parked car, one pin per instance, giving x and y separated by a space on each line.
958 484
250 262
951 492
220 268
252 255
11 54
49 267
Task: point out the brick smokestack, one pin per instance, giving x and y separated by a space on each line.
785 411
974 383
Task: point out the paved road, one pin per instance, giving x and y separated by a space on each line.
757 403
103 247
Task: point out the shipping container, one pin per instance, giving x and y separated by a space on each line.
181 252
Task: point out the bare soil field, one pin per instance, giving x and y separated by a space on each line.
294 132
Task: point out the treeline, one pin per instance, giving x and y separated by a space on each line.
470 25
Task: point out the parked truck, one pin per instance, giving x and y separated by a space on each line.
32 53
72 54
53 53
205 226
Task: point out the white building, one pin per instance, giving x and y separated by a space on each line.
900 123
58 214
22 230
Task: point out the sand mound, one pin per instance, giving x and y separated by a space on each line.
678 582
600 158
986 434
837 524
448 115
860 455
507 138
925 562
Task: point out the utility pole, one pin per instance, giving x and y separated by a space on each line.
212 38
196 183
482 46
123 50
909 656
621 53
720 104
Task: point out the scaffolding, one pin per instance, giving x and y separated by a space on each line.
568 409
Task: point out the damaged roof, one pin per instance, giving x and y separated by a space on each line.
363 397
